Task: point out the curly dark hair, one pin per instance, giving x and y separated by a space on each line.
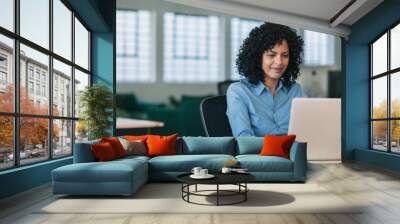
263 38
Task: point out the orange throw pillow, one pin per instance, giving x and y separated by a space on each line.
277 145
116 145
103 151
161 145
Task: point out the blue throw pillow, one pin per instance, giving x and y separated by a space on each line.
249 145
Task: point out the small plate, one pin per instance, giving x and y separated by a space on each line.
208 176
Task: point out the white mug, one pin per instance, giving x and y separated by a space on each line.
196 170
203 172
226 170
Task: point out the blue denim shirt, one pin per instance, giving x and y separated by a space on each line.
254 111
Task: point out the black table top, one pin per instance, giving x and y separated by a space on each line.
220 178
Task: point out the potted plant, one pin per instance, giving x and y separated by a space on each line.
96 103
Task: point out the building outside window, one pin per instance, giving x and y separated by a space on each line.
3 78
43 90
44 77
30 87
55 135
191 48
38 89
3 61
30 72
385 94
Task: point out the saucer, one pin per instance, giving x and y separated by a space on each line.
208 176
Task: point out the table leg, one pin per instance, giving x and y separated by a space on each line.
217 194
245 193
188 190
195 188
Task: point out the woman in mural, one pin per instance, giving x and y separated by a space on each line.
269 61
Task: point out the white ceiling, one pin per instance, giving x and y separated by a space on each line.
319 9
316 15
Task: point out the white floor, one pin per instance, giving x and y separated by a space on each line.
378 189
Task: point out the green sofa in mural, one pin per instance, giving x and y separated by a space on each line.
183 117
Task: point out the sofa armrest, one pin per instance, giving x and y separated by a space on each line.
83 152
298 155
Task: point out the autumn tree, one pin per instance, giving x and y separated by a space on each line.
33 131
380 127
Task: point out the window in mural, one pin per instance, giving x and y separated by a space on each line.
43 112
385 94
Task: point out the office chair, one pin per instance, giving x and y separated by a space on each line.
223 86
213 117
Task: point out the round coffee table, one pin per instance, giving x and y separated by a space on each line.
238 179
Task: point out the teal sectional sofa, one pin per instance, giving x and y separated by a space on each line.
125 176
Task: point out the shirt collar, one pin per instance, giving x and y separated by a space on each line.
259 88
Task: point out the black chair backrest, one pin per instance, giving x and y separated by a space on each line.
223 86
213 116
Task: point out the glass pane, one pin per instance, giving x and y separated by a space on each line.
33 139
6 74
395 94
62 138
81 45
81 131
379 100
62 89
62 29
379 135
7 14
395 47
134 46
379 55
34 92
192 46
6 142
319 49
81 81
395 136
35 21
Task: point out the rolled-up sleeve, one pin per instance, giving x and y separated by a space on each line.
237 113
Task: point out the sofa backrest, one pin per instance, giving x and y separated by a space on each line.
206 145
83 152
191 146
249 145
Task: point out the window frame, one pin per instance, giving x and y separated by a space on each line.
16 115
149 56
220 58
388 74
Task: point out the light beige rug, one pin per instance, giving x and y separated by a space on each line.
166 198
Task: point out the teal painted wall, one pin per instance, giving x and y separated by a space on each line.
357 84
103 53
100 17
24 178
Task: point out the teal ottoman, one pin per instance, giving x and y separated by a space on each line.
118 177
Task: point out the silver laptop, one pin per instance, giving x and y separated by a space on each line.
317 121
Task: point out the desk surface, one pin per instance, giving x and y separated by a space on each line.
125 123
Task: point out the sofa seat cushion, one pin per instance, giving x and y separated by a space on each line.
257 163
111 171
133 158
185 163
